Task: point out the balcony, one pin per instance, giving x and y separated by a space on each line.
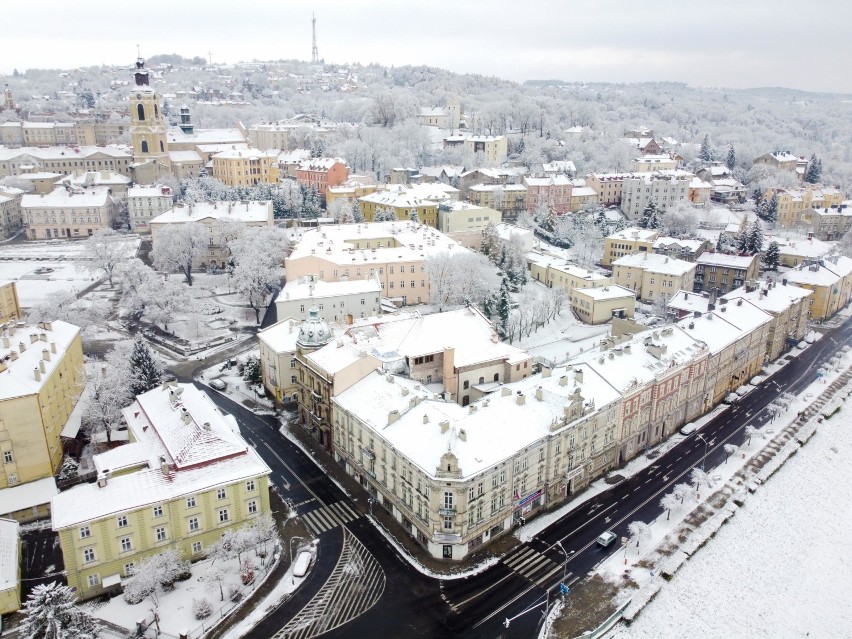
369 453
449 512
446 537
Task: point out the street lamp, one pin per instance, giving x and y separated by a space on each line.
565 566
701 437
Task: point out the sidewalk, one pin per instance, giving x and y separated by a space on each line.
391 526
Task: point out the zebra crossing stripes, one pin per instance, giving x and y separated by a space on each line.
532 565
328 517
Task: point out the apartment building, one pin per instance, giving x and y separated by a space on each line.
395 251
827 224
144 203
653 278
663 188
41 378
11 219
278 359
494 148
509 199
781 160
465 222
215 217
649 163
627 242
555 271
246 167
68 212
321 173
277 135
599 305
550 194
65 160
831 283
723 273
683 249
500 175
792 203
185 478
350 191
608 186
405 205
10 304
340 302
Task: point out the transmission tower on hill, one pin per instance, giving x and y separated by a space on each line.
314 50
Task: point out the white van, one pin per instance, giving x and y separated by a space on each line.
688 429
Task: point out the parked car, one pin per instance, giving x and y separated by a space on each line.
218 384
688 429
303 563
606 539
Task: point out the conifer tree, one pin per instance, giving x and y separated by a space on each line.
814 172
504 308
731 160
772 209
51 614
650 217
772 257
706 153
755 239
145 371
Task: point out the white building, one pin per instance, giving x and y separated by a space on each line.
664 188
336 301
68 212
278 359
462 219
144 203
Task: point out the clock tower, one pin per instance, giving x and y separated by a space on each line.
148 127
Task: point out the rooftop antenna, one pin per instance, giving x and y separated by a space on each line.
210 56
138 52
314 50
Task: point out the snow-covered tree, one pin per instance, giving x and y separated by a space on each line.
135 279
290 199
705 154
178 246
215 580
146 372
638 530
730 449
650 216
669 502
357 213
682 491
772 256
459 277
750 431
731 158
105 251
201 608
504 308
163 299
681 219
844 244
814 171
265 532
768 209
153 575
50 613
258 255
698 477
490 245
66 306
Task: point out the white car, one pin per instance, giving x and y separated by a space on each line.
218 384
303 563
606 539
688 430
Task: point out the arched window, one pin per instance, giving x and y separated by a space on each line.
144 144
466 384
465 400
162 149
140 112
481 380
496 377
156 111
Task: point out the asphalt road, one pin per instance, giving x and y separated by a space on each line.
414 605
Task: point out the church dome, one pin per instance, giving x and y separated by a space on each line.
314 331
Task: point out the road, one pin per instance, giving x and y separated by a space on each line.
413 605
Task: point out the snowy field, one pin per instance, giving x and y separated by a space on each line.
781 567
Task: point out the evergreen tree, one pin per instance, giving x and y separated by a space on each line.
357 214
490 242
721 243
489 306
650 216
504 308
51 614
414 217
731 160
772 209
705 153
744 241
814 172
145 370
757 195
755 239
772 257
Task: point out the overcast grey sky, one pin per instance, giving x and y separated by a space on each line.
731 43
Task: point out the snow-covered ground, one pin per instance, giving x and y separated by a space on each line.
781 567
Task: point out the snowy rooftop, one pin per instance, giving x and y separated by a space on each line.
583 191
63 198
635 233
296 156
434 191
43 175
24 354
400 241
26 496
401 199
644 357
97 178
774 297
810 248
436 171
499 172
9 559
248 154
655 263
304 288
184 156
609 292
507 231
481 435
63 152
156 190
824 274
178 424
556 180
281 337
498 187
559 262
253 211
690 302
709 258
320 164
205 136
670 242
720 328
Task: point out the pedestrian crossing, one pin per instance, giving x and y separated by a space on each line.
532 565
328 517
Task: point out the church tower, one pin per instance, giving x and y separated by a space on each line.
148 127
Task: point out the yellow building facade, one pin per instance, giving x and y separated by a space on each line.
184 479
10 305
41 378
245 167
404 205
831 284
630 240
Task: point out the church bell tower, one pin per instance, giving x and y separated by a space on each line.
148 127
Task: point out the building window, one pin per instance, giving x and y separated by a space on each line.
448 523
196 547
88 555
85 532
193 524
7 457
144 145
190 502
448 500
158 511
122 521
140 112
252 507
126 544
223 515
94 580
220 494
250 486
129 568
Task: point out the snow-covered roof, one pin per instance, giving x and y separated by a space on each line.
709 258
480 436
498 187
560 166
499 172
608 292
399 199
446 169
689 302
507 231
185 156
66 199
411 242
635 233
41 175
27 496
253 211
559 262
772 297
296 156
554 180
281 337
655 263
98 178
824 273
726 324
184 445
669 242
583 191
320 164
19 378
304 288
177 135
809 248
156 190
64 152
9 555
246 154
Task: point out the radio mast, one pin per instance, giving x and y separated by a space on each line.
314 50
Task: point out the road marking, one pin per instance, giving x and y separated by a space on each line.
326 518
283 463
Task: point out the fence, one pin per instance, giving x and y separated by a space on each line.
605 627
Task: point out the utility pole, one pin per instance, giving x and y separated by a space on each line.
314 50
210 57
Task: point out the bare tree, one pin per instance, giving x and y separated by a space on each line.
178 246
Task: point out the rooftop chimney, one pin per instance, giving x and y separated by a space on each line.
393 416
45 355
37 374
445 426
